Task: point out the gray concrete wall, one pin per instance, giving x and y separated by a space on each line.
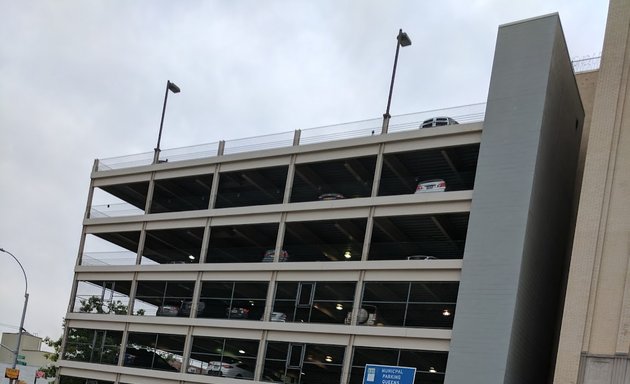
519 227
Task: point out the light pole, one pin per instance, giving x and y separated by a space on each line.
175 89
402 40
19 338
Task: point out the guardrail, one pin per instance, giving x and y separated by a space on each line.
108 258
586 64
114 210
463 114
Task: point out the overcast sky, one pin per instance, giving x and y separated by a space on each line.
85 79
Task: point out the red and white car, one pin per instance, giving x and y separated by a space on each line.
269 255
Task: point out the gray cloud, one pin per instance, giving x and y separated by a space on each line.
84 80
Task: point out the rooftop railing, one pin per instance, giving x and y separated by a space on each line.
463 114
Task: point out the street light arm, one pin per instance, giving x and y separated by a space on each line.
391 85
21 267
157 147
19 336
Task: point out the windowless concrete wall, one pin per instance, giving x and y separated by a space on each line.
520 222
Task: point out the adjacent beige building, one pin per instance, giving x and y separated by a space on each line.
595 335
30 348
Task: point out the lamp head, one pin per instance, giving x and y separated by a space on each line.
403 39
172 87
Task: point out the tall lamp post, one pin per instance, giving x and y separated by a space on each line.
175 89
402 40
19 338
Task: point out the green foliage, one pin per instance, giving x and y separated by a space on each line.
95 304
50 370
80 342
169 357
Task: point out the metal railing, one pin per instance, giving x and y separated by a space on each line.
188 153
586 64
256 143
364 128
463 114
114 210
127 161
108 258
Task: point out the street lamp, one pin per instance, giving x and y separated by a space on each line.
19 338
402 40
175 89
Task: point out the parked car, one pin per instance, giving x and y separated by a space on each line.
278 316
368 315
237 369
268 258
434 185
331 196
187 306
438 122
171 310
237 313
421 257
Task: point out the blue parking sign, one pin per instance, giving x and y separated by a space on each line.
388 374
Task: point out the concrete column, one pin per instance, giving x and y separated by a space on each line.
520 219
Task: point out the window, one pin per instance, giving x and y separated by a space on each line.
172 246
241 243
403 171
305 295
413 237
164 298
154 351
430 365
99 296
233 300
93 346
303 363
81 380
233 358
119 200
334 179
258 186
181 194
409 304
314 302
111 248
326 240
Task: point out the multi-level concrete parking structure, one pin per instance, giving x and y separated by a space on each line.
251 265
